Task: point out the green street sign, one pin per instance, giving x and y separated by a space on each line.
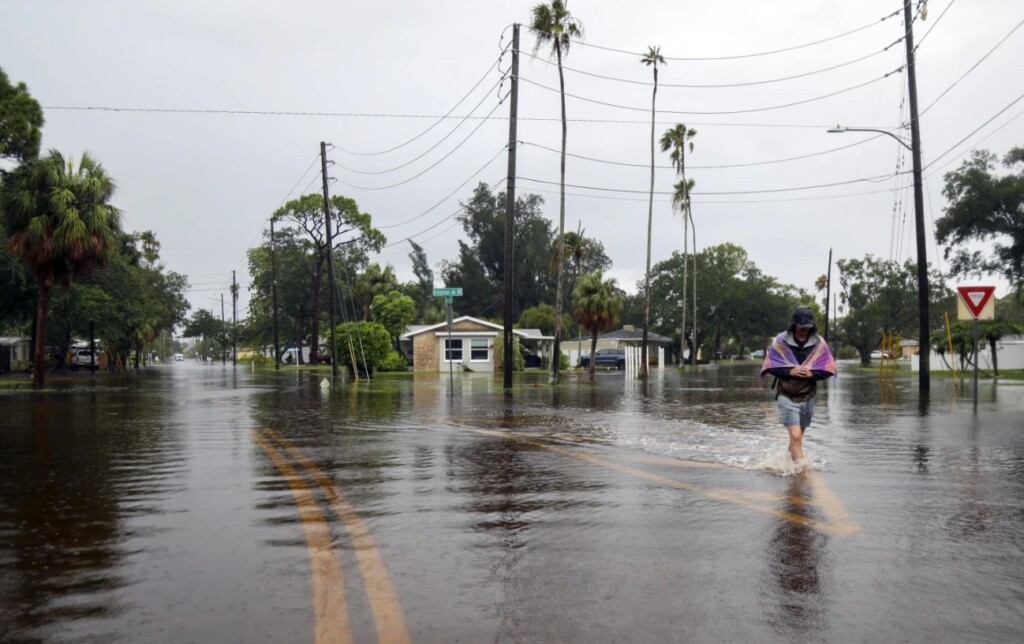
453 291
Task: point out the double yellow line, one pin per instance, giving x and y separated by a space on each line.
332 621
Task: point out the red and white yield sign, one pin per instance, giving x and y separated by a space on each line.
978 302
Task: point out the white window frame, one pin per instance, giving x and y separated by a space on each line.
473 342
448 351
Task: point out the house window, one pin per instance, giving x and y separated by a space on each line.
453 350
478 351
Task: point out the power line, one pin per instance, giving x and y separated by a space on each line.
749 55
707 167
973 132
432 166
719 112
431 148
934 24
440 118
702 202
714 85
979 142
449 195
973 67
883 177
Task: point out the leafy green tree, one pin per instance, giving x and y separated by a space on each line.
395 312
21 122
352 230
554 26
881 297
541 317
423 291
205 324
293 256
61 226
985 208
480 268
651 59
373 282
596 306
369 342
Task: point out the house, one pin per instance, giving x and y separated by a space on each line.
469 345
13 350
627 336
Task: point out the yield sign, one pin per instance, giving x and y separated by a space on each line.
976 297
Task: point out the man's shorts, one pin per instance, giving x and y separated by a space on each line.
796 413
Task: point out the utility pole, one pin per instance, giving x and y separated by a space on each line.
223 359
828 292
510 209
330 258
234 321
924 375
273 291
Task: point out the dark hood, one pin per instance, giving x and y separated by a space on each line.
802 316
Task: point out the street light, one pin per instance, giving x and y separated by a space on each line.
924 374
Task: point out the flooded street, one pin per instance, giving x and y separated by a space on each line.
210 504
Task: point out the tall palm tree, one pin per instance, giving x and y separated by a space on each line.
675 141
554 26
596 306
651 59
61 226
578 248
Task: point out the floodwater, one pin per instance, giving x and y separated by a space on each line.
203 503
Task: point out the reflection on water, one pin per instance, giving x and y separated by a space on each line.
797 570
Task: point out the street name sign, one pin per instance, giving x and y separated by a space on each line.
451 291
976 303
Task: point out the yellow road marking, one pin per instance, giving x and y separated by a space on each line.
839 522
384 604
328 591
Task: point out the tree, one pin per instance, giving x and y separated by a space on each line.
21 122
554 26
596 306
374 282
61 226
881 297
353 231
541 317
368 341
424 286
293 256
395 312
204 324
651 59
985 208
675 141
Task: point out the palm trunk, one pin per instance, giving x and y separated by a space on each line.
650 219
593 351
686 263
995 359
40 357
556 357
693 231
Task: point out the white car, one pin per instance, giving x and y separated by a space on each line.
179 357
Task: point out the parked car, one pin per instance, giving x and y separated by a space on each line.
83 358
759 354
178 357
877 354
606 358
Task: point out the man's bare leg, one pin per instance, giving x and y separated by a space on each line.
796 449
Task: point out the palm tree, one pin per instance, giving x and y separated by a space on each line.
579 248
553 25
652 59
596 306
675 141
61 226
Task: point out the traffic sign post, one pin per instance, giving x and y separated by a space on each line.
448 293
977 303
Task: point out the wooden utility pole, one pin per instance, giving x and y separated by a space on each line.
223 358
330 259
273 291
234 320
828 292
924 375
510 209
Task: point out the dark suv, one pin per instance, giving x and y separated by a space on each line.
606 358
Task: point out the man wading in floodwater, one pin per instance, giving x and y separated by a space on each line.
798 358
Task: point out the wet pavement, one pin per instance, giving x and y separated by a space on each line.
209 504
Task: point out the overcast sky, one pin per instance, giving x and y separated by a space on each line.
370 76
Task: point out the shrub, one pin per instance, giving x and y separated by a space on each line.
370 342
394 361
